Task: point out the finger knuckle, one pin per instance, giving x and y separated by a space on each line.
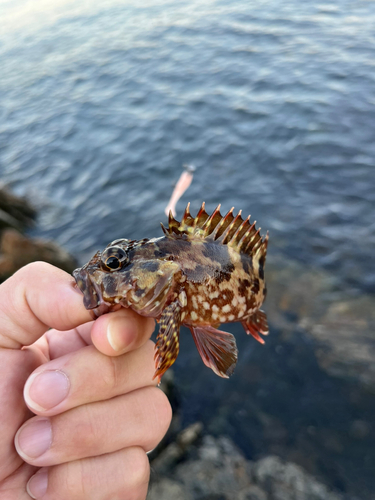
112 376
160 416
140 467
163 409
34 268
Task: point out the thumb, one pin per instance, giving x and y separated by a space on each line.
38 297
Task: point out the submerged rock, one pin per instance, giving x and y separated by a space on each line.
15 212
288 481
217 470
346 340
17 250
341 326
177 450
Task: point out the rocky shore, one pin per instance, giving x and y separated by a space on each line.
209 468
16 249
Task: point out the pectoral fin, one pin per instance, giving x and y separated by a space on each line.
167 342
152 285
255 324
218 349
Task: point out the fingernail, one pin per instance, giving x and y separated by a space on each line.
37 485
45 390
121 333
34 438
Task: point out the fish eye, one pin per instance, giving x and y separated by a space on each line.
113 263
114 258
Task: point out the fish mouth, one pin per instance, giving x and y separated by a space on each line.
91 293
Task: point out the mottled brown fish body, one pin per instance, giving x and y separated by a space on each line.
218 288
205 271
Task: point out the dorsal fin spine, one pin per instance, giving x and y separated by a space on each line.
173 224
235 238
248 237
165 230
221 223
201 211
266 238
202 214
207 224
261 246
250 242
186 213
187 220
245 237
228 230
257 246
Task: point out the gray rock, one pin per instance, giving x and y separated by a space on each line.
189 436
288 481
217 470
168 457
15 212
166 489
345 334
253 492
342 326
16 250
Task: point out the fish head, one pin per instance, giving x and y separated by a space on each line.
106 278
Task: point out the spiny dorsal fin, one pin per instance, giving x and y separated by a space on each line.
228 230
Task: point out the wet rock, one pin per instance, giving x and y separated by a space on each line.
16 250
217 470
175 451
345 336
295 292
269 478
360 429
288 481
252 493
190 435
307 300
167 458
166 489
15 212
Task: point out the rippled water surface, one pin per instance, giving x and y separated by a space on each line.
273 101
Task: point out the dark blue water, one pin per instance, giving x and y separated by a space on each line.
274 102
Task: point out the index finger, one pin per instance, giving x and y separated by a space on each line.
38 297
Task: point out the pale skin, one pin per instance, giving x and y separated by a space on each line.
78 407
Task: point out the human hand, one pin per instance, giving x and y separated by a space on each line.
97 409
